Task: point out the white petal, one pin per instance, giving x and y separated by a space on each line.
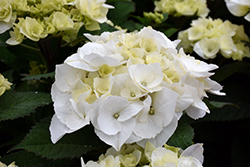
164 41
6 26
66 113
195 151
164 103
162 137
76 61
131 110
58 129
236 8
197 110
106 120
120 138
247 17
150 128
197 48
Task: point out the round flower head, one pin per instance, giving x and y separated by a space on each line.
134 155
182 7
208 37
64 17
132 87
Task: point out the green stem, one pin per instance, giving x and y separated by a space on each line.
30 47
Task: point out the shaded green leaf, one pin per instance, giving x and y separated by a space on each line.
236 95
217 104
224 72
3 38
169 32
6 56
8 75
165 17
29 159
121 12
129 25
40 76
104 27
70 146
27 51
144 20
19 104
182 137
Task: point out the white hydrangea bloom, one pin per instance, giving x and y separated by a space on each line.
182 7
208 37
132 87
106 162
35 20
132 155
7 17
239 8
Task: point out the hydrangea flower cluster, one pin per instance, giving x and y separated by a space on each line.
182 7
239 8
208 37
134 155
4 84
36 19
10 165
133 87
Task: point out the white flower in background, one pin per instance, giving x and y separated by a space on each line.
182 7
132 155
106 162
94 10
132 87
239 8
7 17
37 19
4 84
10 165
166 156
192 156
208 37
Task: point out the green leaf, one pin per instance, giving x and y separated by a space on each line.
28 159
19 104
236 95
217 104
224 72
169 32
40 76
121 12
3 38
25 52
104 27
144 20
182 137
130 25
8 75
70 146
6 56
